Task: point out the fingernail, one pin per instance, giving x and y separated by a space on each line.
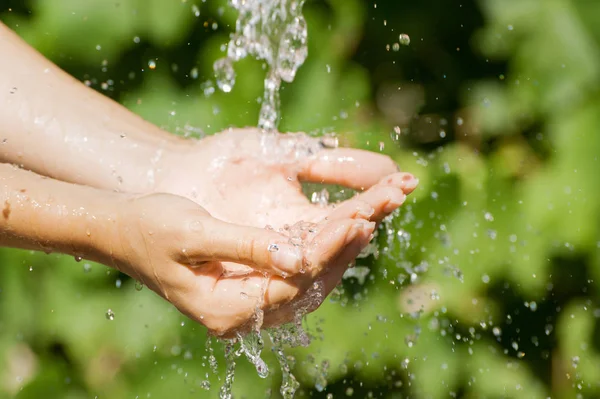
369 233
368 228
365 213
287 259
395 201
411 183
353 232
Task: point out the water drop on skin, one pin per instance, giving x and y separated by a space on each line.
273 248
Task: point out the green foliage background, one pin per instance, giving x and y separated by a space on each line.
498 106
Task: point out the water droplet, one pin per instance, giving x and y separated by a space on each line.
152 64
207 88
110 315
138 285
404 39
320 198
224 74
78 258
195 10
273 248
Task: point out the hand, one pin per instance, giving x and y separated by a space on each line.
177 249
236 179
244 184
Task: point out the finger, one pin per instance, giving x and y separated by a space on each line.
332 241
263 250
406 181
348 167
352 209
333 276
384 197
310 299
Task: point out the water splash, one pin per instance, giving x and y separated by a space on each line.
280 336
230 355
212 360
252 345
273 31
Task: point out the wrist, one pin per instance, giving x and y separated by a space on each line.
96 235
177 158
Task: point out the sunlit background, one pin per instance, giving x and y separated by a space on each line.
485 285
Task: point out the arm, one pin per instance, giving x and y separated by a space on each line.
47 115
44 214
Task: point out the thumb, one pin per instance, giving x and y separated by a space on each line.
263 250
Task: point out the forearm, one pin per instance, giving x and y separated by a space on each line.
56 126
44 214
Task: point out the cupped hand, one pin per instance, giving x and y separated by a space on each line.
177 249
248 178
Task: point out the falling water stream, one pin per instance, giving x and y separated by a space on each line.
275 32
